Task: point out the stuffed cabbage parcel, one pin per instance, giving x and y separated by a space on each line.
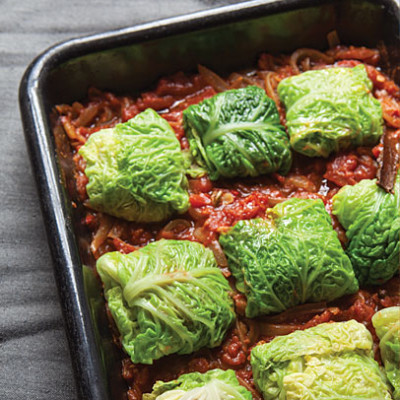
291 257
215 384
238 133
387 325
331 109
168 297
330 361
136 170
371 218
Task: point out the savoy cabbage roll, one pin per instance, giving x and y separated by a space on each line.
387 326
291 257
215 384
371 218
136 170
167 297
238 133
330 109
331 361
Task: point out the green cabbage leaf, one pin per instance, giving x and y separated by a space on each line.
331 109
238 133
168 297
371 218
291 257
331 361
387 325
136 170
215 384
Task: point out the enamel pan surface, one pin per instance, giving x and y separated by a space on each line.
130 60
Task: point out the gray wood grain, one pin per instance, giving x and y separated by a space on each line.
34 358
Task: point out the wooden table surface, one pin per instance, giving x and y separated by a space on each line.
34 358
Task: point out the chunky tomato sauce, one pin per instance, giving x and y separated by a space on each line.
215 206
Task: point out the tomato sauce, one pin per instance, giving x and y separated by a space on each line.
216 206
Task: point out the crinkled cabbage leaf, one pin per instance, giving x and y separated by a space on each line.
136 170
329 361
387 325
238 133
331 109
292 257
371 218
212 385
168 297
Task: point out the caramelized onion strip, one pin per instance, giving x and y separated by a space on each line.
300 54
102 232
212 79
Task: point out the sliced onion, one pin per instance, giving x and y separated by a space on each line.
101 234
298 311
235 81
197 214
273 201
391 119
253 81
70 130
306 64
250 388
115 232
174 227
271 330
242 333
212 79
87 115
311 53
333 39
218 253
270 87
200 234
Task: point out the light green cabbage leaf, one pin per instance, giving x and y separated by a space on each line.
168 297
238 133
331 361
331 109
371 218
292 257
387 325
136 170
215 384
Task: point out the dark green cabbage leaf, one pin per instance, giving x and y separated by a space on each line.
238 133
331 361
136 170
387 325
167 297
331 109
215 384
371 218
292 257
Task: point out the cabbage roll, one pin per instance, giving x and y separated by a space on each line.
167 297
215 384
238 133
291 257
136 170
371 218
387 326
326 362
331 109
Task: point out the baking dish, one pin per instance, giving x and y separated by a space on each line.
129 60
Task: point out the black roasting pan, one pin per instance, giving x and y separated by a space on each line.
132 59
